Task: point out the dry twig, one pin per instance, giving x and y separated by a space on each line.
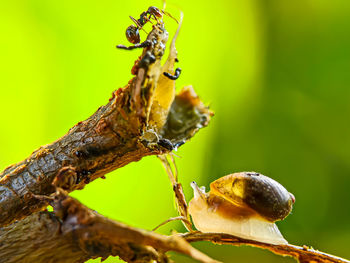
180 199
143 118
303 254
75 233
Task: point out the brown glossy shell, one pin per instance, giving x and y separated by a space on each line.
255 191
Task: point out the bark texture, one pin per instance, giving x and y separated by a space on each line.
75 233
143 118
302 254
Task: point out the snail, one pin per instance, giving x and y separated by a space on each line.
243 204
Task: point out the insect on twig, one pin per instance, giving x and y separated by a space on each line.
133 31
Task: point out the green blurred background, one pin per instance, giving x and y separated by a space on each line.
276 73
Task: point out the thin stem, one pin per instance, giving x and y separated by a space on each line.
177 188
303 254
170 220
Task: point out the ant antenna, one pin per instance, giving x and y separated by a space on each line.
167 13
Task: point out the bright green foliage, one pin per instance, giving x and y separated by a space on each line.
276 73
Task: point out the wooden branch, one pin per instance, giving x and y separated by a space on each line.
144 118
75 233
303 254
180 199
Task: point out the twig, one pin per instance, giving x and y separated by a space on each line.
171 220
132 125
75 233
180 199
125 130
303 254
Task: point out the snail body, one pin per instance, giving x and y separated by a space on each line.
242 204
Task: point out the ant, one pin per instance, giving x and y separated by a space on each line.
167 144
133 32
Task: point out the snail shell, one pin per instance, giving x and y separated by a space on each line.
242 204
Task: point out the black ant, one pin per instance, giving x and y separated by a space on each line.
133 32
167 144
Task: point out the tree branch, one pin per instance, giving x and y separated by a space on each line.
144 118
303 254
75 233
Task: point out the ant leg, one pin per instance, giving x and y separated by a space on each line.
175 76
149 18
169 15
147 43
138 24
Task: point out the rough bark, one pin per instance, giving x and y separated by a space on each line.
143 118
303 254
74 233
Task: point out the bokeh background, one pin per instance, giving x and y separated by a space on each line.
276 73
